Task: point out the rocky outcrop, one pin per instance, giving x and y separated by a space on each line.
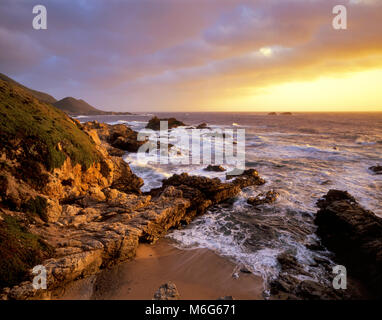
97 217
216 168
117 136
202 126
101 234
167 291
293 282
154 123
354 234
263 198
68 204
203 192
376 169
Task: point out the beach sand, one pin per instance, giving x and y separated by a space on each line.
197 273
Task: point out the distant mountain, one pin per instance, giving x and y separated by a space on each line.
42 96
69 105
74 106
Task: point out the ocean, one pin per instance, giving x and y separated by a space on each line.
302 157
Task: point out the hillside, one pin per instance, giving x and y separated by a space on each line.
69 105
76 106
44 97
41 132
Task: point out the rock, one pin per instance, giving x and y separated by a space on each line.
244 269
354 235
288 287
217 168
249 177
167 291
53 210
202 126
376 169
203 192
154 123
290 265
261 198
118 136
226 298
124 180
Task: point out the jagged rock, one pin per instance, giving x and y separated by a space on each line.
154 123
167 291
124 179
288 287
217 168
354 235
290 264
249 177
376 169
203 192
118 136
261 198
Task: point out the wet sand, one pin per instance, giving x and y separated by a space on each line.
198 274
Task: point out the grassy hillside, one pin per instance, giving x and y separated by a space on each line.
19 250
74 106
44 97
39 132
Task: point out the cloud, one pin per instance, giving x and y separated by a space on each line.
134 55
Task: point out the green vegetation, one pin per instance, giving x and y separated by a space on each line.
19 251
37 94
40 132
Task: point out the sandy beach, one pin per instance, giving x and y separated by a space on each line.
198 274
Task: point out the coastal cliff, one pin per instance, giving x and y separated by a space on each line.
82 206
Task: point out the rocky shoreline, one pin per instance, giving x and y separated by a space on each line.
97 217
69 202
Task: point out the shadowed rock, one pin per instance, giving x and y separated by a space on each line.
118 136
202 126
354 234
154 123
376 169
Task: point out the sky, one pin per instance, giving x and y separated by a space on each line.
198 55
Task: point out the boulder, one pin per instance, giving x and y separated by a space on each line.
154 123
216 168
261 198
202 126
376 169
354 234
117 136
167 291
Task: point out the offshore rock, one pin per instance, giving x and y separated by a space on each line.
267 198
